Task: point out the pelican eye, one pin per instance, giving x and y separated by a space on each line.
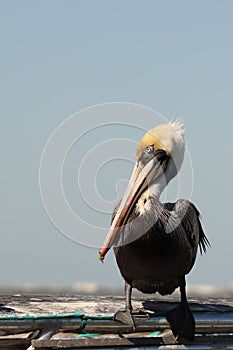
149 149
147 154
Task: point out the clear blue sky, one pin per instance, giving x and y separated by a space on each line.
58 57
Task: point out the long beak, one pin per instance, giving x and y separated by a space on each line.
141 177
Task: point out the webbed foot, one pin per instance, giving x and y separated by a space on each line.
182 322
132 318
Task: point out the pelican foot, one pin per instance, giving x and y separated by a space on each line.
132 318
182 322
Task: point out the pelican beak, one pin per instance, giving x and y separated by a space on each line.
141 177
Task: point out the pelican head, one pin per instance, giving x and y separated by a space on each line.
159 157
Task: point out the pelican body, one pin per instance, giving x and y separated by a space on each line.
156 244
156 261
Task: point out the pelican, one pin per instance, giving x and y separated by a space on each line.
156 244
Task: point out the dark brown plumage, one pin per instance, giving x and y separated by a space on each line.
155 261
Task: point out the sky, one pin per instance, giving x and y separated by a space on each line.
62 57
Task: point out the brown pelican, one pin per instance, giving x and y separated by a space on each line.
156 244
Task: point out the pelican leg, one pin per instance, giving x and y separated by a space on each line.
125 316
128 295
128 316
181 318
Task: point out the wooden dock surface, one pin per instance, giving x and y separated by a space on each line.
74 322
100 305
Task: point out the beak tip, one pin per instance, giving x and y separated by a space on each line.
100 257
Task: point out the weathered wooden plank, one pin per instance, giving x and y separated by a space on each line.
100 343
16 341
101 305
5 343
122 342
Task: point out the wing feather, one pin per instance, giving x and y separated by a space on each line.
191 222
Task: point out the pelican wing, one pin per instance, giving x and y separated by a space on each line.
190 217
